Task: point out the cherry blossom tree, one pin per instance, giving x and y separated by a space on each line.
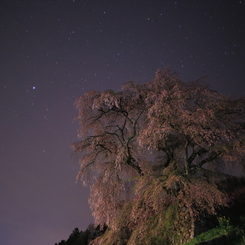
157 144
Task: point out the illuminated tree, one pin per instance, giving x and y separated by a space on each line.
156 145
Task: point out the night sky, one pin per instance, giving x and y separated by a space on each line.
51 52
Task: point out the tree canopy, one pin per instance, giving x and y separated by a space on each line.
157 145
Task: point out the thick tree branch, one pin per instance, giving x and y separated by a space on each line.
213 155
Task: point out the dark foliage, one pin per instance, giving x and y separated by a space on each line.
83 238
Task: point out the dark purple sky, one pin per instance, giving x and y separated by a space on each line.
51 52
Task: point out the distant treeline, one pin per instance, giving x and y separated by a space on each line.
82 237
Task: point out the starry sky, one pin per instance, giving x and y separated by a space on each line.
52 51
